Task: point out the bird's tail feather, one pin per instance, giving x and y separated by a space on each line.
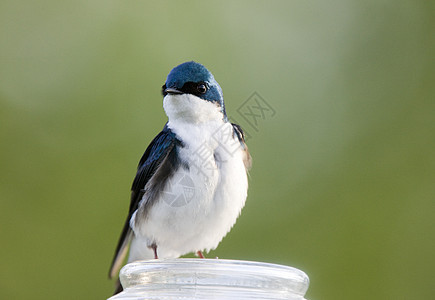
118 287
121 250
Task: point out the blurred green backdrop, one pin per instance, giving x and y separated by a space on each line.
342 184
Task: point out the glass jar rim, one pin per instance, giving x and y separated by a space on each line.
187 274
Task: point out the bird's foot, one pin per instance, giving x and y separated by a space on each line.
154 247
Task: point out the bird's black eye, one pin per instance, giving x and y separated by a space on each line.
202 87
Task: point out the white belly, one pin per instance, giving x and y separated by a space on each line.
199 205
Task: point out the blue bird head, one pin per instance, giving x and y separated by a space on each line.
193 78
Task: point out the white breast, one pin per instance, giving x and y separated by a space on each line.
200 204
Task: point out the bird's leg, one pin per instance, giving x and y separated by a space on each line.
154 247
200 254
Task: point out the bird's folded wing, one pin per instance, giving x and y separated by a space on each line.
156 153
238 132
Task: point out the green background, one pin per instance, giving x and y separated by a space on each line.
343 180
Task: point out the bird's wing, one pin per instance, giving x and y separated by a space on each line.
162 147
238 132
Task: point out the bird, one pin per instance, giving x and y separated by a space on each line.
192 181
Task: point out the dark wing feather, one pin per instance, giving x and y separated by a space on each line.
157 151
247 160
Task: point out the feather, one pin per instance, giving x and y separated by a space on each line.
161 151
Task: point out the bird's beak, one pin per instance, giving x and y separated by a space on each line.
173 91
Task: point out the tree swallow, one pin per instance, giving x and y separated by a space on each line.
191 183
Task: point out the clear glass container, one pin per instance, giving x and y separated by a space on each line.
210 279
